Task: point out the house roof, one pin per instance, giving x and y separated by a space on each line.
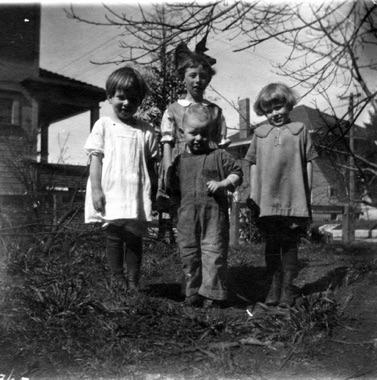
316 121
51 77
61 97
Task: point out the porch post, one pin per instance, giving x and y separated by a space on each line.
94 116
44 142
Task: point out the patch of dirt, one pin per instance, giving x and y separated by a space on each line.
349 353
352 351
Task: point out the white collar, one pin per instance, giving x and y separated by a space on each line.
186 103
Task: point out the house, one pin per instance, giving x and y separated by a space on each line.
330 176
31 99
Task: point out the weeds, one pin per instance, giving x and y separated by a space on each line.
313 318
316 314
58 311
362 262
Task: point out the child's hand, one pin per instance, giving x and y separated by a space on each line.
99 201
213 186
254 208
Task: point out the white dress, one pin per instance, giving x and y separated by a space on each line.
125 180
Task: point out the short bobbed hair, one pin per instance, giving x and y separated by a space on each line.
127 79
193 61
272 94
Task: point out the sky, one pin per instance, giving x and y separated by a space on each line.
68 47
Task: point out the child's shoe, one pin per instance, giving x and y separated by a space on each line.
287 298
209 303
119 283
133 287
195 300
133 275
273 295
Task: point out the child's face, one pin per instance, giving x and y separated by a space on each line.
196 80
197 136
277 114
124 104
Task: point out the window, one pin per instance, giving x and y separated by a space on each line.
9 110
333 216
333 192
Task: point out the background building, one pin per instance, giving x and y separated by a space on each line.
30 100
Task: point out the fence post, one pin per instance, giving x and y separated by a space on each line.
348 224
234 234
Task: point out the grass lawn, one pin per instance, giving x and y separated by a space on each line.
60 318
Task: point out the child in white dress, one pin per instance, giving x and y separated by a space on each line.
122 151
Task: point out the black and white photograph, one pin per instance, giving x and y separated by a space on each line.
188 190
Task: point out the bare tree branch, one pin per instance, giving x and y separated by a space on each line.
326 42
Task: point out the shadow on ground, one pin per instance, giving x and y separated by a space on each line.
330 280
247 285
250 284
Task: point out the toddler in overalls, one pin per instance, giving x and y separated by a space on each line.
201 177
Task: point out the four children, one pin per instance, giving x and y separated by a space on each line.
197 175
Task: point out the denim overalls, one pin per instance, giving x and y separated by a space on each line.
203 222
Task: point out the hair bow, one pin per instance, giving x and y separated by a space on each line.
201 48
182 52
